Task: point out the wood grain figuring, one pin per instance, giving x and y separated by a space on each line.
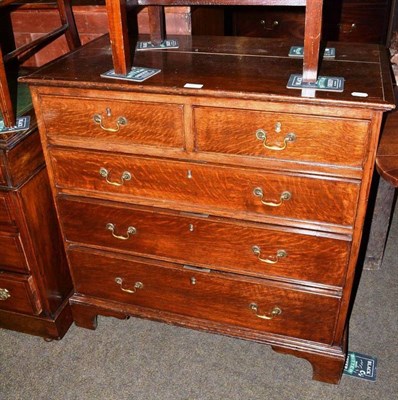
318 140
193 213
50 262
5 216
213 62
25 159
213 296
152 124
387 153
12 257
22 291
211 187
207 241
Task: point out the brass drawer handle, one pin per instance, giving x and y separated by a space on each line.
137 285
4 294
269 26
126 176
121 121
270 260
274 312
258 192
130 231
262 135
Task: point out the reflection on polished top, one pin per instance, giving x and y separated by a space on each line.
238 67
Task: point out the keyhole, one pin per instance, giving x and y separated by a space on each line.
108 112
193 281
189 174
191 227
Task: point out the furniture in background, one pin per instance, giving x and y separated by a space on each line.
35 283
344 20
387 168
123 44
91 22
235 208
18 54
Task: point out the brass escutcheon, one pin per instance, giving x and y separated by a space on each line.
4 294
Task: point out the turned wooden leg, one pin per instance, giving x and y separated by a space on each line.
326 367
83 316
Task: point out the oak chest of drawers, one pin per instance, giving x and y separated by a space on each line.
34 277
236 208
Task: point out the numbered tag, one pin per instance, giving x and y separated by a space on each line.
324 83
137 74
166 44
298 52
22 124
360 366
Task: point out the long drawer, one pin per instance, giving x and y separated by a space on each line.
108 120
245 302
331 141
18 293
253 194
250 249
12 257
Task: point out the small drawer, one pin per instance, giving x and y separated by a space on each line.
5 214
85 121
18 293
249 249
240 193
12 257
220 297
280 136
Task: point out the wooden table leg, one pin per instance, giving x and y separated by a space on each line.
6 107
118 33
312 43
156 24
379 226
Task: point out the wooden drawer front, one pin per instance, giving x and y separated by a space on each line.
320 140
207 187
72 120
275 22
207 242
18 293
5 215
357 22
12 257
212 296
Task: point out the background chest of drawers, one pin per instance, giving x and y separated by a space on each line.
236 208
34 278
344 20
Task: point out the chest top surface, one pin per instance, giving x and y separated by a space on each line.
229 67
